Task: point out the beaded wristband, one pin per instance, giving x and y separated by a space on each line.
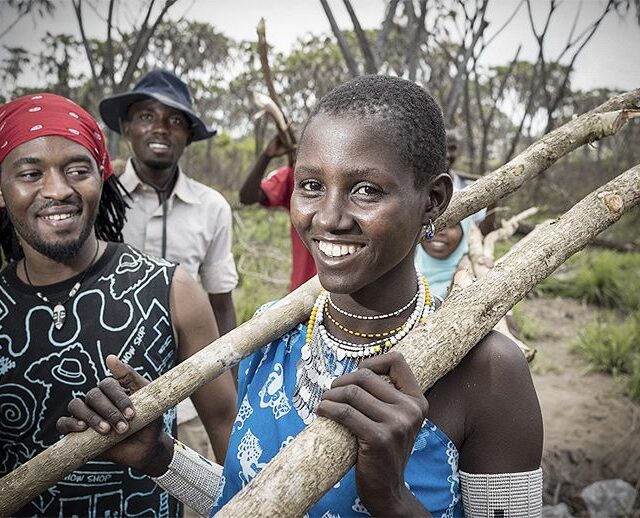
192 479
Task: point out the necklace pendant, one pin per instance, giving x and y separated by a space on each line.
59 315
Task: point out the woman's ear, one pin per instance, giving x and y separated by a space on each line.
2 203
440 192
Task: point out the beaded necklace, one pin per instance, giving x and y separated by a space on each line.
373 317
325 357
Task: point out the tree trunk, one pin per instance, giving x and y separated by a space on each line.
342 43
321 454
370 65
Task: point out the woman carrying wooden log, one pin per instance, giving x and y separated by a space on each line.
370 177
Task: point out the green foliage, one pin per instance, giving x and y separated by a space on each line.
501 248
222 162
528 326
608 345
263 258
605 278
613 347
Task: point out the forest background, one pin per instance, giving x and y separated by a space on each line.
505 72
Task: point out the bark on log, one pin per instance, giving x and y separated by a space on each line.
587 128
32 478
321 454
599 242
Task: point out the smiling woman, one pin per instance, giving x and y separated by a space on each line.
370 176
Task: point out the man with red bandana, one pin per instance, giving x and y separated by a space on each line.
72 293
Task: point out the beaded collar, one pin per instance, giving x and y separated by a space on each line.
325 357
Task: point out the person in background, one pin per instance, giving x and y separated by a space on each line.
171 215
438 258
275 191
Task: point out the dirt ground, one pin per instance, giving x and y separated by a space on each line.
592 431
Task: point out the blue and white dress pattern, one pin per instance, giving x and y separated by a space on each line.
267 421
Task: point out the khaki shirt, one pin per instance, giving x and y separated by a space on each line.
198 228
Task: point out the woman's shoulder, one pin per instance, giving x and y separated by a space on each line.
495 366
495 355
491 381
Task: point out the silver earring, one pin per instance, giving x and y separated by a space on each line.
428 231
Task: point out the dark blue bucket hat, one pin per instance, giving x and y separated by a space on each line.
163 86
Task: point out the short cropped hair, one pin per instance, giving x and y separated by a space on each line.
407 113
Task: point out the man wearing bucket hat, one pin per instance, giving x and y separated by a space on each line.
72 293
171 215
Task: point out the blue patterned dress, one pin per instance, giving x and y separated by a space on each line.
267 421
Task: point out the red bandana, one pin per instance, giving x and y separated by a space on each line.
40 115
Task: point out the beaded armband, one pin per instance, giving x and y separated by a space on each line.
503 495
192 479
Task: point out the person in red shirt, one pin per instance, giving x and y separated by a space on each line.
275 191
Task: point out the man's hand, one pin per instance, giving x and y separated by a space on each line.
108 407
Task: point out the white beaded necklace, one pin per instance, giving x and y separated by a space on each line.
325 357
376 317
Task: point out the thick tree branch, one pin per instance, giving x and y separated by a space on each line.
30 479
284 129
607 243
534 160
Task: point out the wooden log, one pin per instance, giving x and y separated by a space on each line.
587 128
72 451
598 241
322 453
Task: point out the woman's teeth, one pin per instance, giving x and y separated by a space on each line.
335 250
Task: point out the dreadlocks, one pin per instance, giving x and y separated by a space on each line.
108 225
